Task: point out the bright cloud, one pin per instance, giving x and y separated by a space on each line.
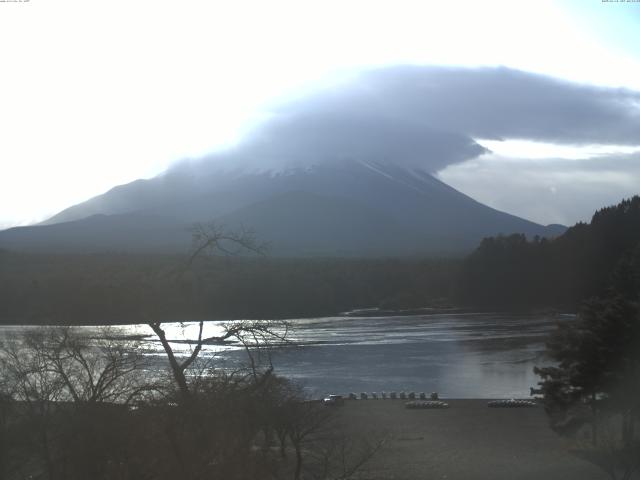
563 189
533 150
95 94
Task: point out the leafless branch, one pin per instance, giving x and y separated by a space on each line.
212 238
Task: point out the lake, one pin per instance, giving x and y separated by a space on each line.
473 355
481 355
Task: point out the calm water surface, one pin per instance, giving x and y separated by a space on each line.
457 355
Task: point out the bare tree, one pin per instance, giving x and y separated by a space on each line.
5 412
226 415
94 369
69 391
256 336
306 420
213 239
344 456
27 374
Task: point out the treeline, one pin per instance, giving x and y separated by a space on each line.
505 272
586 261
591 389
127 288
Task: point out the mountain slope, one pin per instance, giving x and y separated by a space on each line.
341 208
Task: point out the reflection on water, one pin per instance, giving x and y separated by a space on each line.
461 356
457 355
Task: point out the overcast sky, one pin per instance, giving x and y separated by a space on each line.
95 94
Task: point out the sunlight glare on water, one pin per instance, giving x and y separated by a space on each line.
487 355
459 355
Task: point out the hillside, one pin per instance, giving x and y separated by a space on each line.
587 260
341 208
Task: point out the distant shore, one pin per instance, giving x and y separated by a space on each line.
385 312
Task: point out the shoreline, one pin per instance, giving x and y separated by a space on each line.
468 440
351 314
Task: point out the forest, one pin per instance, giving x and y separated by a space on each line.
126 288
587 260
504 272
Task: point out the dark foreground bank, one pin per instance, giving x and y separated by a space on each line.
466 441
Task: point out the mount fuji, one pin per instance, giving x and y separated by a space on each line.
348 171
342 208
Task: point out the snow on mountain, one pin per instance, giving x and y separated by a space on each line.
343 208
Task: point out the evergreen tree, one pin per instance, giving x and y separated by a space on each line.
596 381
511 271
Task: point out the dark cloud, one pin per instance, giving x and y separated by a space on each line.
488 103
311 137
427 117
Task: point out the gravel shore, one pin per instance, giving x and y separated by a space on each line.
466 441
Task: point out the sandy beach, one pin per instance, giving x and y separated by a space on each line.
466 441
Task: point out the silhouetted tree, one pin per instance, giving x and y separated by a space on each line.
596 379
69 394
511 271
213 239
253 335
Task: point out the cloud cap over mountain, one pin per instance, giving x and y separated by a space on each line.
431 118
483 103
373 141
428 117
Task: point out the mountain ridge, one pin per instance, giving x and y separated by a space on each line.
338 208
